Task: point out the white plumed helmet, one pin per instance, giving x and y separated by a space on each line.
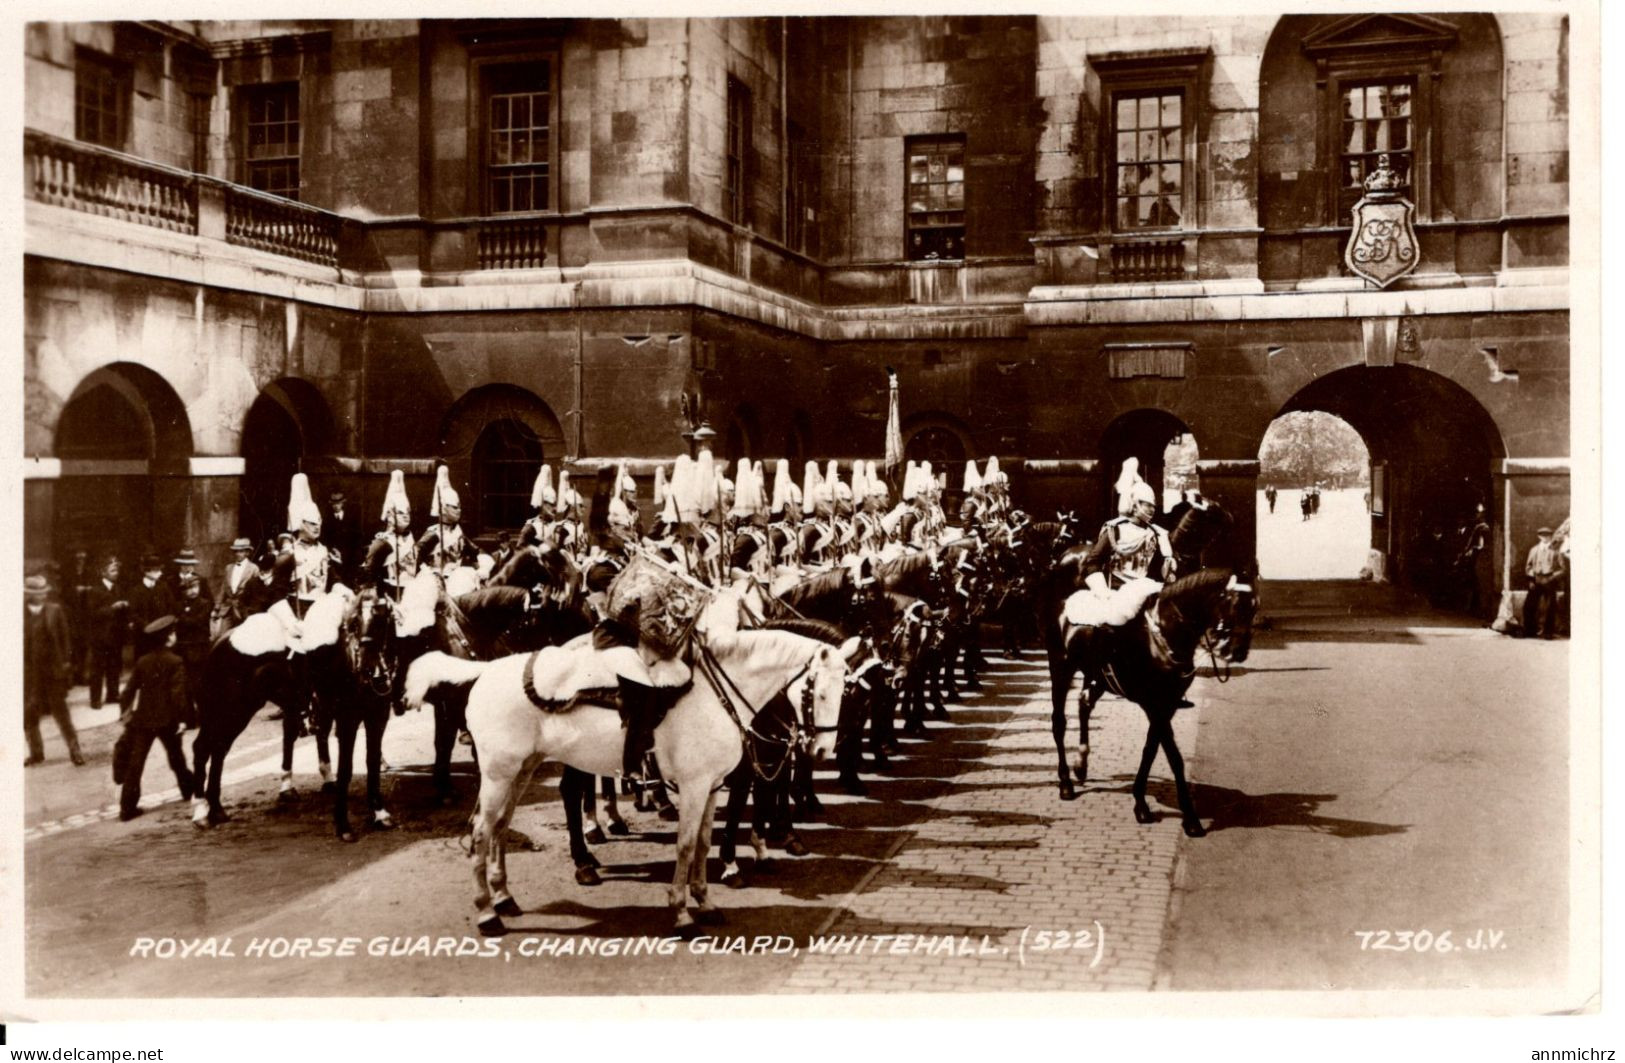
395 500
301 507
541 493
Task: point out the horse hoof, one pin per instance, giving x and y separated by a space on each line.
491 926
1067 791
733 878
853 785
1081 772
793 847
587 875
682 920
1194 829
348 837
1142 814
383 821
508 906
596 837
285 796
619 828
217 817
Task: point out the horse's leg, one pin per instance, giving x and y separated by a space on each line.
949 682
914 698
1142 811
944 663
290 735
378 711
1060 686
689 814
589 808
738 782
485 833
201 744
348 724
974 661
1163 726
1088 698
612 810
325 715
705 911
445 740
784 807
855 709
496 867
575 789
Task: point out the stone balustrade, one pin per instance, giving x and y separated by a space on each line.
281 226
1143 261
93 179
513 243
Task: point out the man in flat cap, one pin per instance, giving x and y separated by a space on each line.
47 670
1545 568
154 705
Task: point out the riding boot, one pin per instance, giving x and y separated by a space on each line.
637 717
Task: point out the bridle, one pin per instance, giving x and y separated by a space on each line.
1219 633
801 731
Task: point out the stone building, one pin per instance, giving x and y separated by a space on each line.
353 247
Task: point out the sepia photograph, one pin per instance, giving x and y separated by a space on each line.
895 505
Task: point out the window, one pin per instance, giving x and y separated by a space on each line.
735 195
519 137
101 100
271 139
801 193
1149 158
936 198
1376 120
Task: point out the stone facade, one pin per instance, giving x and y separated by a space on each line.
390 315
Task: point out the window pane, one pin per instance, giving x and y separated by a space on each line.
956 168
1148 180
1125 213
1148 144
1354 103
499 112
521 146
1170 110
1143 210
1165 213
1399 134
1171 144
521 112
1127 180
1125 147
1399 101
916 169
1353 137
1125 113
1148 112
1377 135
937 168
1170 178
955 198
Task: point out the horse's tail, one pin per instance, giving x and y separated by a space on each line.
436 670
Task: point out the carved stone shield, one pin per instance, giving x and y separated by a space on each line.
1383 246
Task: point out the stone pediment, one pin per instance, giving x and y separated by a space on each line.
1393 33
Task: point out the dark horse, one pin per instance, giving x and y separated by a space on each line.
1151 661
238 679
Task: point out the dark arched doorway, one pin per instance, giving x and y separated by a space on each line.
124 441
1433 449
287 425
1164 446
493 442
506 458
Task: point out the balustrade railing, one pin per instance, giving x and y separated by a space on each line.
281 226
85 177
513 243
1148 260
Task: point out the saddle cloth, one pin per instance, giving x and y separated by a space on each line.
1086 608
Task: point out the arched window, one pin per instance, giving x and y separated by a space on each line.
507 457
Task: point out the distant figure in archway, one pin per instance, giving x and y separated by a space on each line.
1270 495
1472 565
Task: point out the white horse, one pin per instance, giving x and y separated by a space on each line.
737 678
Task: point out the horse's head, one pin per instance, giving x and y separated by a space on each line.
1233 626
373 644
816 695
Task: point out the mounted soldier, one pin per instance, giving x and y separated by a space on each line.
444 547
392 560
976 509
301 575
1131 560
784 529
751 553
545 528
816 537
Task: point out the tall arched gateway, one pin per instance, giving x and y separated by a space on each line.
124 441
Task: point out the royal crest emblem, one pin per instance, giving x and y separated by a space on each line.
1383 246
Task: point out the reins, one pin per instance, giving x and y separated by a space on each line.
800 732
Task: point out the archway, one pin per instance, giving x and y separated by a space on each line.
287 425
1314 504
944 444
1166 449
124 441
1432 450
493 442
739 440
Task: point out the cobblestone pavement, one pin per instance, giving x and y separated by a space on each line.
1001 885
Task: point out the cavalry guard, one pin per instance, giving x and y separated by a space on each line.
996 485
841 499
750 554
1130 560
444 546
392 560
976 509
625 522
569 510
784 529
300 575
545 527
816 536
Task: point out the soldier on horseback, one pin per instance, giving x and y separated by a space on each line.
392 559
300 576
444 547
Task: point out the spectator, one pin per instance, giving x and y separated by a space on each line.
80 578
186 566
1472 566
1545 568
154 706
342 532
241 591
1270 494
108 612
192 638
47 669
